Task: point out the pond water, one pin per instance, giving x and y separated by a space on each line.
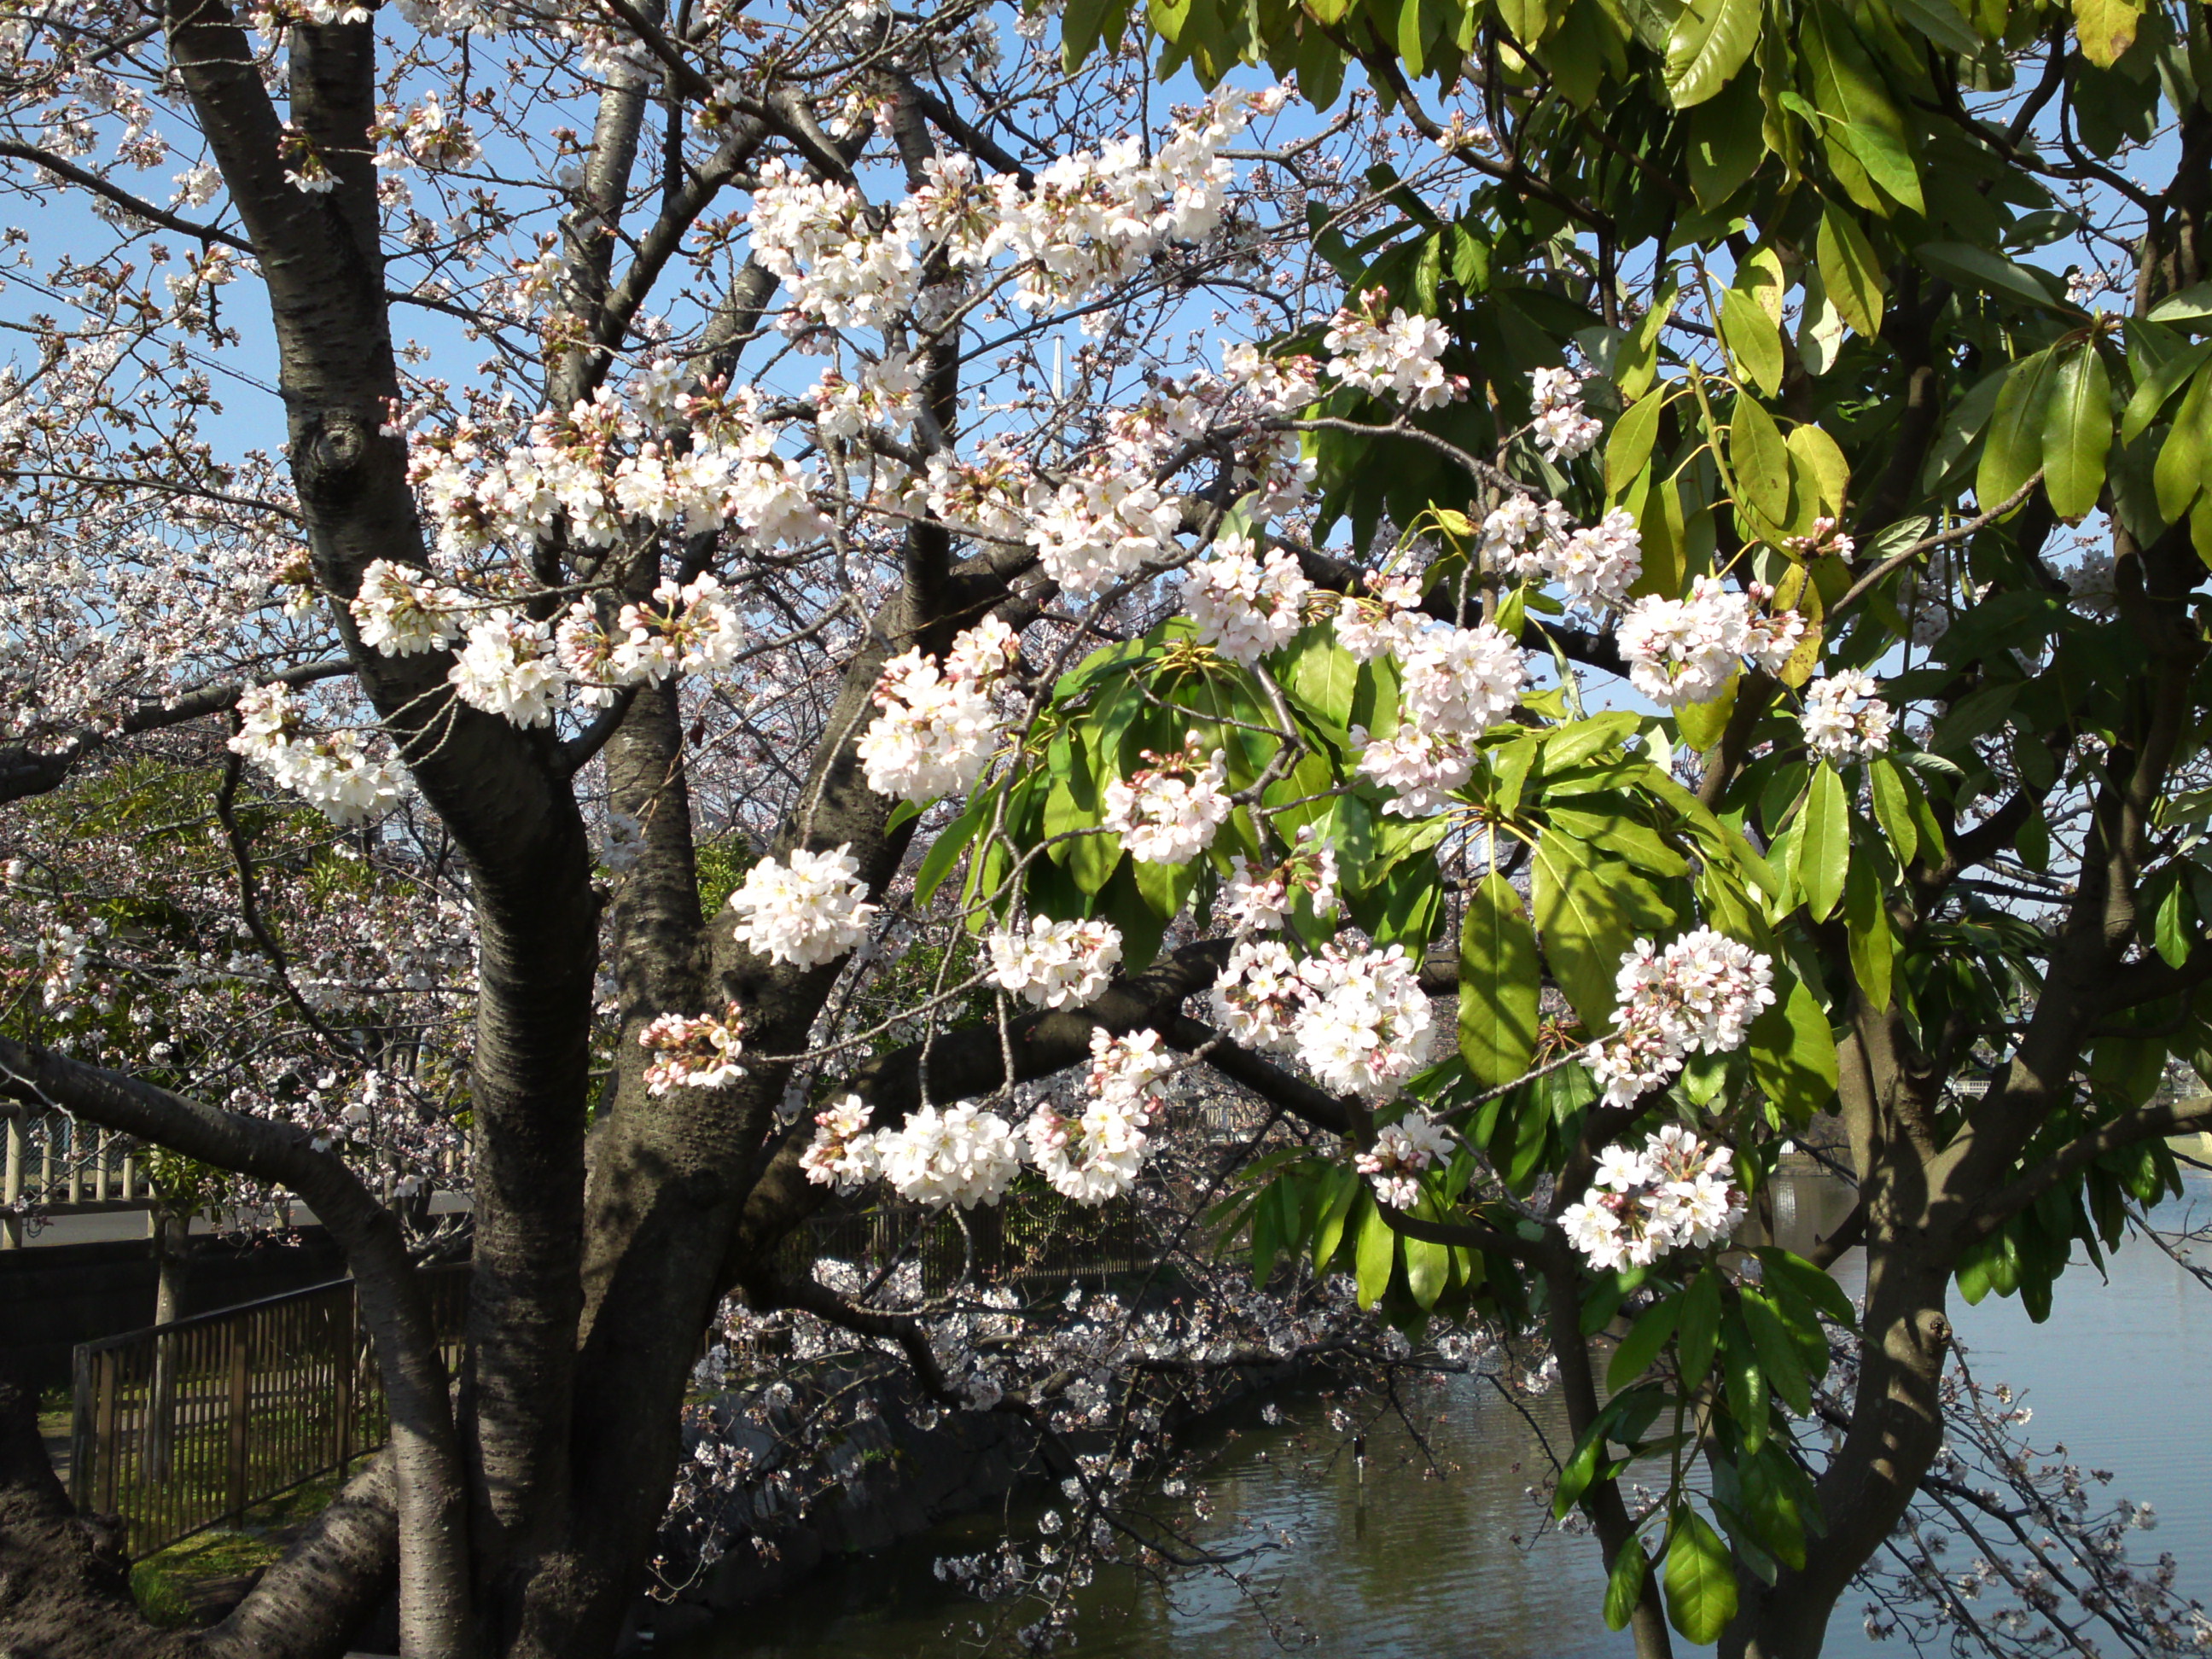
1410 1565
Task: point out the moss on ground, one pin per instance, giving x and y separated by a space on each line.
197 1579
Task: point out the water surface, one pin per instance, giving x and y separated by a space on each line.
1415 1564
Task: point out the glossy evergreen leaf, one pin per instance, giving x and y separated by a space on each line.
1759 460
1825 850
1849 271
2014 449
1699 1578
1710 42
1624 1585
1700 1327
1377 1255
1499 982
2077 432
1645 1338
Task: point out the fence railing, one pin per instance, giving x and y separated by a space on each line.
183 1426
53 1161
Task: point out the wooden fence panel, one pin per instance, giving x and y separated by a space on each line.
184 1426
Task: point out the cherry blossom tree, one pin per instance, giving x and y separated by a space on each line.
845 595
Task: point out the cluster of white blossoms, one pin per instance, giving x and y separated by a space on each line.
1702 991
807 911
937 728
1682 650
693 1051
962 1155
1103 523
1260 901
600 463
1358 1018
329 770
1108 517
1845 719
1562 431
401 612
1403 1151
691 629
1088 221
842 1153
1056 964
518 668
1168 812
966 1155
1097 1155
1676 1193
509 668
1596 564
1455 685
1399 357
1246 605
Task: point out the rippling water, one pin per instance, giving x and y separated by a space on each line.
1414 1565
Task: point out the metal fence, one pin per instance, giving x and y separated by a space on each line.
54 1164
183 1426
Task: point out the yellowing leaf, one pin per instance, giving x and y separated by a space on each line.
2106 29
1849 272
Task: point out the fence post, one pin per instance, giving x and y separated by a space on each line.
241 1390
342 1366
76 1163
110 1451
82 1442
101 1146
11 1224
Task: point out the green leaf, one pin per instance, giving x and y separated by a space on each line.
1344 1191
1166 887
2106 29
1793 1054
1700 1327
1589 911
1940 21
1623 1586
1797 1276
1994 274
1630 447
1568 746
2174 927
1892 808
951 841
1581 1466
1824 843
2154 389
1322 677
1704 724
1778 1359
1849 271
1530 21
1699 1578
1746 1382
2179 474
1753 339
1867 919
2014 449
2191 305
1377 1253
1760 460
1709 43
1641 1345
1080 27
1428 1269
1499 980
2077 432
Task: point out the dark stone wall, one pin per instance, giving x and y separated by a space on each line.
54 1296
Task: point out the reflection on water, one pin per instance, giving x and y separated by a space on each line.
1415 1565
